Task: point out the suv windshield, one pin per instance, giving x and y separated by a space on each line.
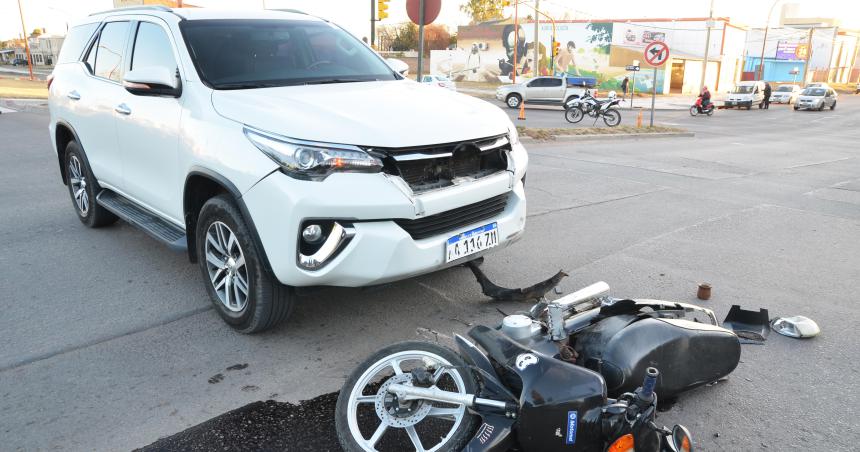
743 89
257 53
813 92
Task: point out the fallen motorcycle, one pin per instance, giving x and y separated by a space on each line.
542 379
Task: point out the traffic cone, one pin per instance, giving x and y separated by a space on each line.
639 120
522 116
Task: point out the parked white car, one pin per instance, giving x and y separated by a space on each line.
745 95
439 80
785 94
278 151
539 90
817 98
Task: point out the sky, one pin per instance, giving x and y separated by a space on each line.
354 15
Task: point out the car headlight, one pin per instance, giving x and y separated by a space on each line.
513 135
313 161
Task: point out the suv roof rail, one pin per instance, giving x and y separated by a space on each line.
161 8
287 10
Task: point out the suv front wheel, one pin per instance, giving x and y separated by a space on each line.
244 293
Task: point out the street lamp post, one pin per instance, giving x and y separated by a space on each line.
710 25
764 41
26 41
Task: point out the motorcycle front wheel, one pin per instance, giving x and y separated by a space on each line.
694 110
573 115
612 118
369 418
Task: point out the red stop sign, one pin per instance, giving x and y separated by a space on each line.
431 10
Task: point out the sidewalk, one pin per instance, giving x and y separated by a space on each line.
39 72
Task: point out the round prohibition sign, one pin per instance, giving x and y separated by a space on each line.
656 53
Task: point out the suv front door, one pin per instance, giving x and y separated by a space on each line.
149 127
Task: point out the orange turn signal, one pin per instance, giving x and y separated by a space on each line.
623 444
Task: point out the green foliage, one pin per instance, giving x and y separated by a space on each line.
406 38
601 36
483 10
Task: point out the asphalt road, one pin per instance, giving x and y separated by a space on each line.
109 342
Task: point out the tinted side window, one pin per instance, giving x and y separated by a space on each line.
536 83
553 82
110 49
152 48
75 41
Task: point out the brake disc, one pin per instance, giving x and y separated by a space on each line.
414 414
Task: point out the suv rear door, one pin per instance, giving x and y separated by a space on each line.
93 95
149 126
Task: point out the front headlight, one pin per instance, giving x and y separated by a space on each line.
513 135
313 161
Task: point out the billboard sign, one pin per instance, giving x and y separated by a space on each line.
786 50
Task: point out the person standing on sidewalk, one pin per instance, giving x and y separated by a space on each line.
624 84
767 92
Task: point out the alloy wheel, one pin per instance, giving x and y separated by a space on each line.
78 184
225 263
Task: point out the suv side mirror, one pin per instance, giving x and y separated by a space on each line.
152 81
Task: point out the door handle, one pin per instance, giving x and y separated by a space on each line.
73 95
122 109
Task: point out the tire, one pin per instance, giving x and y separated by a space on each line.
796 108
833 107
513 100
566 101
573 115
694 110
266 301
711 111
612 117
82 183
455 440
821 108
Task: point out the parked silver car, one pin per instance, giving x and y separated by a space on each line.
785 94
816 99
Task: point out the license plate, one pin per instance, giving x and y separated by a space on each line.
471 242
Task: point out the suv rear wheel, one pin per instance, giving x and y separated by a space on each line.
83 189
513 100
243 291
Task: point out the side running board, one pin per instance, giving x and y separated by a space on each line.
128 210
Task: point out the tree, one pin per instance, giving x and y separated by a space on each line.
483 10
602 36
436 37
406 39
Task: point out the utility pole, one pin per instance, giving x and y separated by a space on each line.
808 54
372 22
764 41
536 68
710 25
26 41
516 38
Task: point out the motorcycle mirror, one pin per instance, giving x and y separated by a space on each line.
682 441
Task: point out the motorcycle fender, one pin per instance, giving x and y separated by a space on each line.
494 434
556 399
493 388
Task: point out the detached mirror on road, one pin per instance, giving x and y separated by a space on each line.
152 81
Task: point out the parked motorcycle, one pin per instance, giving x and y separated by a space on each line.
697 109
578 108
541 380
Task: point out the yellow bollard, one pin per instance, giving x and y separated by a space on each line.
639 120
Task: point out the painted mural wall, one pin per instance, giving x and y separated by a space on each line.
491 52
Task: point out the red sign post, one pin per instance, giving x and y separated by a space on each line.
656 55
422 12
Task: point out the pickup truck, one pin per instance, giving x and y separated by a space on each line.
544 90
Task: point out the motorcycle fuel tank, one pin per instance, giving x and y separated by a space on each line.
688 354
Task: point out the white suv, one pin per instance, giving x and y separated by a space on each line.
279 151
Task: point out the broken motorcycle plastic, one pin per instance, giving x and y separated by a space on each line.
580 373
752 327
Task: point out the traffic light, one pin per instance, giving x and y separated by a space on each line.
555 48
381 9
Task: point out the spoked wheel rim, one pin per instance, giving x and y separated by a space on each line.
611 118
78 186
225 262
423 409
573 114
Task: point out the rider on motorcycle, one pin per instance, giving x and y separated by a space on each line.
706 97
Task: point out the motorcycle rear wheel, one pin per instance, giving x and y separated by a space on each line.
365 420
573 115
612 117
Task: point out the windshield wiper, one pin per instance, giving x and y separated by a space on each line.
337 80
246 85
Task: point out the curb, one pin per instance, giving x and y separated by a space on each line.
616 136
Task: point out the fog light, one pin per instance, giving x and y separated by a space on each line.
312 233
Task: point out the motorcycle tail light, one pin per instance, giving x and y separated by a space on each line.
622 444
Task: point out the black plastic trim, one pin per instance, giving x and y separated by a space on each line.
61 152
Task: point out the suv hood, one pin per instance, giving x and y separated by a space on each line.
384 114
